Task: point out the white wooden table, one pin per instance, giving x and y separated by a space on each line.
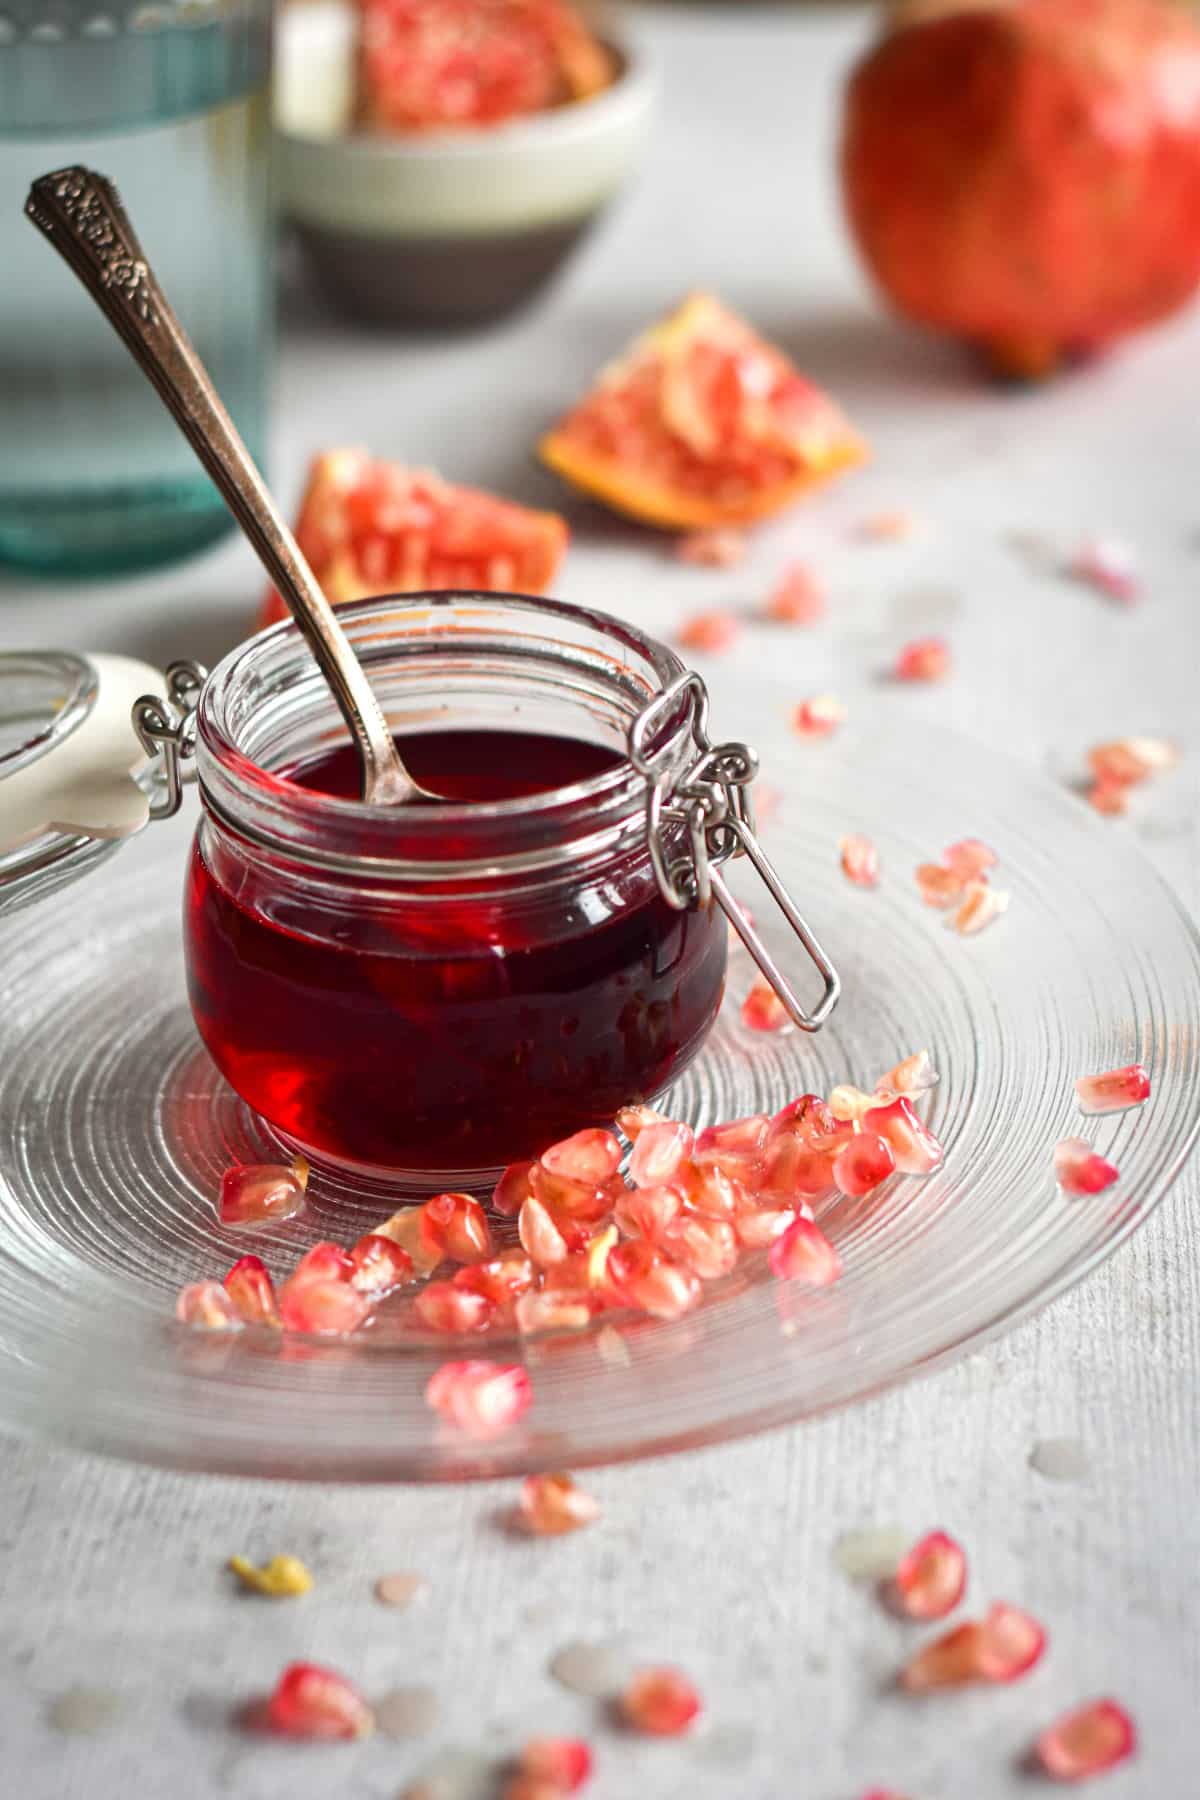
112 1578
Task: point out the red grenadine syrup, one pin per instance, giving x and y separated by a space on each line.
458 1032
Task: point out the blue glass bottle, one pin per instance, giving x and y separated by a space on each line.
170 101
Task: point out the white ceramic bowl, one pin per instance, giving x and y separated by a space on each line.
445 226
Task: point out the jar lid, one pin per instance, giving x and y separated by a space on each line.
75 774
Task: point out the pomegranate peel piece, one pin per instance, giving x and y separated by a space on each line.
312 1702
1087 1741
551 1506
1109 565
252 1291
1079 1170
931 1578
803 1253
481 1398
1116 1091
860 860
663 1702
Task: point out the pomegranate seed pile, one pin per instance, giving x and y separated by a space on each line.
589 1240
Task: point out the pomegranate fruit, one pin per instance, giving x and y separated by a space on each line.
1025 174
701 423
436 65
373 527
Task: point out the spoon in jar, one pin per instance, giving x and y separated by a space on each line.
82 215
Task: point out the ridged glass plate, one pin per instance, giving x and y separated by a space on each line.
114 1129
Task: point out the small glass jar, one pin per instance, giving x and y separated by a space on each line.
424 994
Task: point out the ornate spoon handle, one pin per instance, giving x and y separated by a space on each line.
81 214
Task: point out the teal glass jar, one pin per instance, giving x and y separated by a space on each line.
170 101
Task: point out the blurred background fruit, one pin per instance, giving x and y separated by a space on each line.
1025 174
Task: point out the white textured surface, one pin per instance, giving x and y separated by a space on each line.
112 1578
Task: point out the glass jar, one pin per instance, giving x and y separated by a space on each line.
169 100
423 994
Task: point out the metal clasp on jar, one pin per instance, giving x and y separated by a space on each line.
709 797
167 729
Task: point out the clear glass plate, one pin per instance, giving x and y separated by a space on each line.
114 1129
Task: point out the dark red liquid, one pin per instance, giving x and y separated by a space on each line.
453 1035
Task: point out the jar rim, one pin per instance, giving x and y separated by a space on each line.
627 664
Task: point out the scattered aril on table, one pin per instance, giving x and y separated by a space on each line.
803 1253
931 1578
282 1577
1001 1647
1079 1170
1109 565
981 904
662 1702
969 859
1123 764
207 1305
860 860
892 527
560 1765
400 1590
938 887
1114 1092
1087 1741
798 597
763 1010
819 717
710 632
252 1291
481 1398
552 1506
255 1193
915 1075
312 1702
714 549
924 659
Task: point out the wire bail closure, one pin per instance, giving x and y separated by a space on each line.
167 729
709 798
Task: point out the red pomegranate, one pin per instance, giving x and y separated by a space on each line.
1026 173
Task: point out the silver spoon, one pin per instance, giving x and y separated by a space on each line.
81 214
